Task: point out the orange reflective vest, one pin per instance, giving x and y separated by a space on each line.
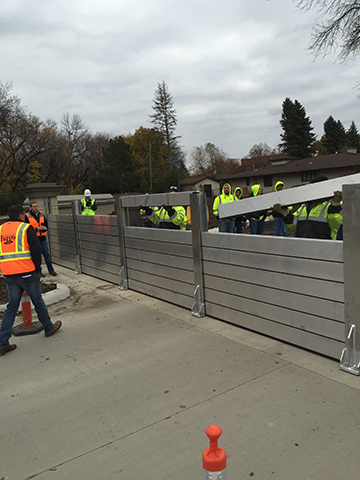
35 224
15 256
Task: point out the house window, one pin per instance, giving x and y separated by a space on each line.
308 176
268 179
247 181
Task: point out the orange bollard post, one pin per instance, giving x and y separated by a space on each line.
26 310
214 457
28 327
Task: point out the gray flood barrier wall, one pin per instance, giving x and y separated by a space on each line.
288 288
160 264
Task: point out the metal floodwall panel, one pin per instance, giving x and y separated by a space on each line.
288 288
62 240
291 289
160 264
99 246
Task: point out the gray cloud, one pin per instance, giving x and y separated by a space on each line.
229 66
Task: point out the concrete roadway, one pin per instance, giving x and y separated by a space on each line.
127 387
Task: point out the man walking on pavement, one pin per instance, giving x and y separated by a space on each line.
39 223
20 259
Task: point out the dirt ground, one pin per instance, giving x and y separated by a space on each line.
45 287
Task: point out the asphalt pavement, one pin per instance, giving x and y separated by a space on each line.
128 385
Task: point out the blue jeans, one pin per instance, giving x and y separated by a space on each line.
46 254
226 226
257 226
16 285
339 235
280 227
149 224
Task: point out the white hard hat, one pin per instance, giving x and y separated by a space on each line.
87 193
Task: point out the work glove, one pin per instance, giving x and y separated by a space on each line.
170 210
217 217
337 198
148 210
278 208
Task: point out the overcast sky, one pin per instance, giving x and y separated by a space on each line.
229 65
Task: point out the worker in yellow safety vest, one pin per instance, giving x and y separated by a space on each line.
168 216
88 204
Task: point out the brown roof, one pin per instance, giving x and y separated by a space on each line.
195 179
319 163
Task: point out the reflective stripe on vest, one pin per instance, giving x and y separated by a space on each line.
87 210
18 257
321 218
35 224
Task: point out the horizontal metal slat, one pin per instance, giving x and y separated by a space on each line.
160 270
153 246
327 289
65 242
292 301
101 266
98 239
301 338
160 258
295 266
277 313
101 274
309 248
170 284
95 248
165 295
182 237
85 229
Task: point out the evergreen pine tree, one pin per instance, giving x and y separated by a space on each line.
335 135
298 139
353 137
164 118
117 172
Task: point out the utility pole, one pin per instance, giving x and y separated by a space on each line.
150 161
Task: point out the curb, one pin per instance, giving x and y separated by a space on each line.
60 293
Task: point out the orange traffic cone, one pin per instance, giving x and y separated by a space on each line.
214 457
28 327
26 310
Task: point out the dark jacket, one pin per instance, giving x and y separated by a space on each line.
37 217
306 220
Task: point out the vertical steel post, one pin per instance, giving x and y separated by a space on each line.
122 221
75 206
350 357
198 225
47 212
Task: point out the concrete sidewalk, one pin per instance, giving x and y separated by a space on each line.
127 387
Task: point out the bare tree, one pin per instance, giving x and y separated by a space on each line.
22 142
209 159
339 27
261 150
